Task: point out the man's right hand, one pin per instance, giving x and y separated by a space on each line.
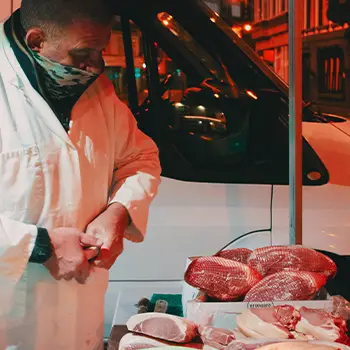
69 259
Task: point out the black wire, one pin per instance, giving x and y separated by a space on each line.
242 236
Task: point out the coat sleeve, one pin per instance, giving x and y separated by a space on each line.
17 242
137 170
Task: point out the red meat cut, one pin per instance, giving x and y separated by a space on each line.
217 338
221 278
238 254
287 286
163 326
269 260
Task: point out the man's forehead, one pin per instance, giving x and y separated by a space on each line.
90 33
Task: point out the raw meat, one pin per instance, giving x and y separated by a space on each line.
262 323
217 338
287 286
270 260
276 344
287 316
163 326
297 346
135 342
220 278
322 325
238 254
132 341
249 344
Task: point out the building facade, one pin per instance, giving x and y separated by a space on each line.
326 58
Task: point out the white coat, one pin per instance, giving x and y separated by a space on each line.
51 179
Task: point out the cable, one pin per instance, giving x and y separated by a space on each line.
242 236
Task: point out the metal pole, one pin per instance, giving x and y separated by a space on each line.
296 14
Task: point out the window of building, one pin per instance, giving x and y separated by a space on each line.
281 62
331 73
114 56
284 5
214 6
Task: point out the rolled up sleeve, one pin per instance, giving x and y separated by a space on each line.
137 171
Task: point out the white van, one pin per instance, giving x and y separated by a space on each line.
223 139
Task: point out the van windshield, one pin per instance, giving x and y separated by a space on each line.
245 48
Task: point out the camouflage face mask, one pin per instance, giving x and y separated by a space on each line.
61 82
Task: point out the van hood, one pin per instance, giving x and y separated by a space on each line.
331 141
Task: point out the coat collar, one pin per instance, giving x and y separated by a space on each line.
12 73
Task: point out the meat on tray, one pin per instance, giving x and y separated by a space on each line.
137 342
218 338
264 323
163 326
287 322
287 286
269 260
220 278
238 254
298 346
322 325
132 341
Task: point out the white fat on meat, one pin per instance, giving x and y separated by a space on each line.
318 324
163 326
298 346
132 341
238 334
261 324
301 336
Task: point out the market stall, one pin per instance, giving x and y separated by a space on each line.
268 298
243 299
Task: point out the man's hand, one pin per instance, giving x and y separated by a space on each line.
109 227
69 259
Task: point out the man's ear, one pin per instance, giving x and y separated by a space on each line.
35 39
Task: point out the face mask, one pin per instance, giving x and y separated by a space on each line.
62 82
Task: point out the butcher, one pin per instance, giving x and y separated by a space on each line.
77 176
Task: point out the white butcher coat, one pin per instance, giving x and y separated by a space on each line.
51 179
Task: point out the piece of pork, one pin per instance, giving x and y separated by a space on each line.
273 259
132 341
322 325
220 278
262 323
287 286
298 346
163 326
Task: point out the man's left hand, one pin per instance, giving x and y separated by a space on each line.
109 227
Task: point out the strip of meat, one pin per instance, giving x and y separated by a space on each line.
163 326
220 278
287 286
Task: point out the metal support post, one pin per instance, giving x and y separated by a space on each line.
296 14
